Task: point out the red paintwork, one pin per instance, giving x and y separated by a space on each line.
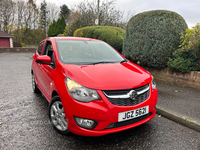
44 59
99 77
5 42
109 76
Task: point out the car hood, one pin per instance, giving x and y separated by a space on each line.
112 76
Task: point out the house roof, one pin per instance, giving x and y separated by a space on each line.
5 35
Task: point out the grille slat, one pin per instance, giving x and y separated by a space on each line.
127 101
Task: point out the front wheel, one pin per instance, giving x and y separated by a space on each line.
57 116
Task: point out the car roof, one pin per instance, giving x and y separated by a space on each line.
73 38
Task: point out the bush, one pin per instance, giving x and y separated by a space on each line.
23 45
151 37
189 40
111 35
198 44
79 32
183 61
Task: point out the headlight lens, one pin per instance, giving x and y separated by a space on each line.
153 83
79 92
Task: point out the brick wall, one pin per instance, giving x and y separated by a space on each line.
191 79
17 49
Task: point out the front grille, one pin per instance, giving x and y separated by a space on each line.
128 122
121 92
127 101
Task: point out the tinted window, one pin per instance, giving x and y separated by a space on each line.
86 52
39 50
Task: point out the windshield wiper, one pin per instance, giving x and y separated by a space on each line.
101 62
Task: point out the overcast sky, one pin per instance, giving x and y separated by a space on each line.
188 9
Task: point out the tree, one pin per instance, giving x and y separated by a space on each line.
64 11
7 15
43 15
61 25
57 28
85 14
108 14
52 29
27 19
32 5
29 14
69 30
53 12
1 14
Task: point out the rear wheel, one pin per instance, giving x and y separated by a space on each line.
57 116
34 86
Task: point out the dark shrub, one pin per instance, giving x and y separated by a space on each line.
183 61
111 35
151 37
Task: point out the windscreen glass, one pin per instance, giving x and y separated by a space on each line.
86 52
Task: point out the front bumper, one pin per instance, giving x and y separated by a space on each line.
105 113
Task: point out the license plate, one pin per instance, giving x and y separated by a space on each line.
127 115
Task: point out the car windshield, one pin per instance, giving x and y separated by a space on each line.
87 52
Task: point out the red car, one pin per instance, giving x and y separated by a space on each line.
92 89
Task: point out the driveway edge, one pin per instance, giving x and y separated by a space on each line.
179 118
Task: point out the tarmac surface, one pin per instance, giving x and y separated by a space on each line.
24 122
180 104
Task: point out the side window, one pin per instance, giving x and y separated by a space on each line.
39 50
49 52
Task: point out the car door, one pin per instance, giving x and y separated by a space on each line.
37 67
46 73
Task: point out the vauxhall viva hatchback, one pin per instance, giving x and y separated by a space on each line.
92 89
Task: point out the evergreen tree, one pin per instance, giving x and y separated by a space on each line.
64 11
63 25
50 31
54 28
57 27
43 17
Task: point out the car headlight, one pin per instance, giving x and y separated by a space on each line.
79 92
153 83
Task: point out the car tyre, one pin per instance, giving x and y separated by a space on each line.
34 86
57 116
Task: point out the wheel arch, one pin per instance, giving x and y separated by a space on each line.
54 93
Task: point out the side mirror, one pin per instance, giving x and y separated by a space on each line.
46 60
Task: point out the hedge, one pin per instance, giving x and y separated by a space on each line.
151 37
111 35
